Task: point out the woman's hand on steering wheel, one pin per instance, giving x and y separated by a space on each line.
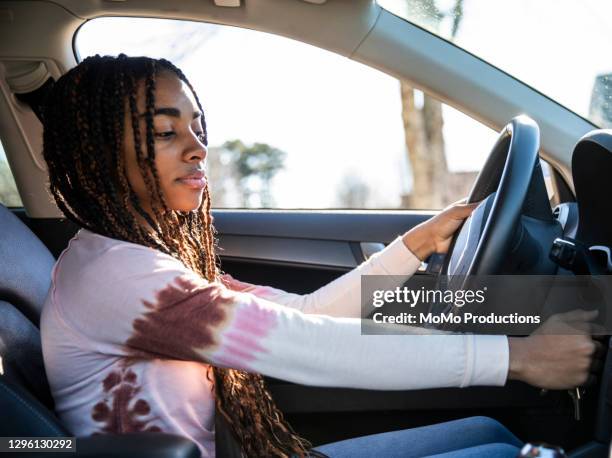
435 234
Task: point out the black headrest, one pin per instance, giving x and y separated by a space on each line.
591 170
25 266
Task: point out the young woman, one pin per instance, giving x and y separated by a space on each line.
142 332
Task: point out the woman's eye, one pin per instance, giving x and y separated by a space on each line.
201 136
164 135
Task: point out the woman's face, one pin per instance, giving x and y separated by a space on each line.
179 147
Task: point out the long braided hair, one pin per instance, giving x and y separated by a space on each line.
83 140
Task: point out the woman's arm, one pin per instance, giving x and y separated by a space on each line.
399 261
196 320
341 297
140 303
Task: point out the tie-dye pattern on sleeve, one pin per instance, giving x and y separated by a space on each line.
195 320
187 317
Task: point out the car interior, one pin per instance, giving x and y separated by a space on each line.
302 250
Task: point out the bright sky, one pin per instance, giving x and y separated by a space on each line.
334 116
557 46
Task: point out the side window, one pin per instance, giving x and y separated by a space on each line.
294 126
8 189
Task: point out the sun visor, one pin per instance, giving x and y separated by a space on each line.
592 173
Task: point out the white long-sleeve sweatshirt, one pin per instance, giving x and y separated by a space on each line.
128 335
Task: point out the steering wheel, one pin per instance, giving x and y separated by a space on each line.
481 245
492 231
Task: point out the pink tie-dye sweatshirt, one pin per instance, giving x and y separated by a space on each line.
128 333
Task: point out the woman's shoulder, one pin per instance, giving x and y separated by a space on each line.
96 276
96 258
102 244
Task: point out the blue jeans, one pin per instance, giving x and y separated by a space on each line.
473 437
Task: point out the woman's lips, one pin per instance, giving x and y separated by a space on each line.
194 182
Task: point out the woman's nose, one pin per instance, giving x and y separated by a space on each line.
196 151
197 154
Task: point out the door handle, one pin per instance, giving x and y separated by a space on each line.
369 248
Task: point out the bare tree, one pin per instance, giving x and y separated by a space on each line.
423 127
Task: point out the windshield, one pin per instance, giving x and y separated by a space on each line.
559 47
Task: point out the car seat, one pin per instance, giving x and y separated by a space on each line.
25 400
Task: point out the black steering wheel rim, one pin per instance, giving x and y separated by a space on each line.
507 173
